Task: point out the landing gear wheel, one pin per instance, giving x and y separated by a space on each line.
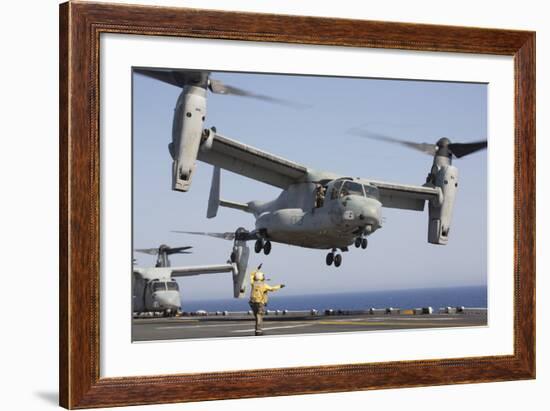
233 257
258 245
267 247
364 243
358 242
338 260
330 258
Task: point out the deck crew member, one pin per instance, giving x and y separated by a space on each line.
258 297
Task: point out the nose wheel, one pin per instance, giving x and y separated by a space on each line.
361 242
262 245
334 258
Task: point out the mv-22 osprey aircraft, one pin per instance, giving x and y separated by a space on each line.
154 289
316 209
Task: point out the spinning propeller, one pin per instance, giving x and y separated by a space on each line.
224 236
241 234
182 78
164 249
442 147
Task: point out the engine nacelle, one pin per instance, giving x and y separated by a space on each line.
239 255
187 126
445 176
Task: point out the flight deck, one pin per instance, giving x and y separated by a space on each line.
224 325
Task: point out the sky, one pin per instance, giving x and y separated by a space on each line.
316 135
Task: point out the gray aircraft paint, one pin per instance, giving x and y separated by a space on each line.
292 218
189 116
445 176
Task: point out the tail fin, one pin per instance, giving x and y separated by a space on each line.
214 199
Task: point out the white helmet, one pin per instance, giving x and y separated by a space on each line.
258 276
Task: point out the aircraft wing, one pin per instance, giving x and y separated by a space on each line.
201 269
406 197
251 162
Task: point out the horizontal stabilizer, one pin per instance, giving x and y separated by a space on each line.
235 205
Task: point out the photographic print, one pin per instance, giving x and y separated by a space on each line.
276 204
288 185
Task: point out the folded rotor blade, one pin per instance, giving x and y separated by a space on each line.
464 149
223 236
425 148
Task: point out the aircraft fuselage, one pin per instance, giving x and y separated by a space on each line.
334 223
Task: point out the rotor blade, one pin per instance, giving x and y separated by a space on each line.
223 236
179 78
179 250
425 148
464 149
150 251
217 87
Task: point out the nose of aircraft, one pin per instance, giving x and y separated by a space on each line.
168 299
363 211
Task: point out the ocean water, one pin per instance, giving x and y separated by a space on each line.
474 296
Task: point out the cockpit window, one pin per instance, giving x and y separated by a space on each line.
351 188
172 285
159 286
371 191
336 189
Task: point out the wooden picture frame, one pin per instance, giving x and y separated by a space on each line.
80 27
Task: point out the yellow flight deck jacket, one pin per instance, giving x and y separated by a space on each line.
259 291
